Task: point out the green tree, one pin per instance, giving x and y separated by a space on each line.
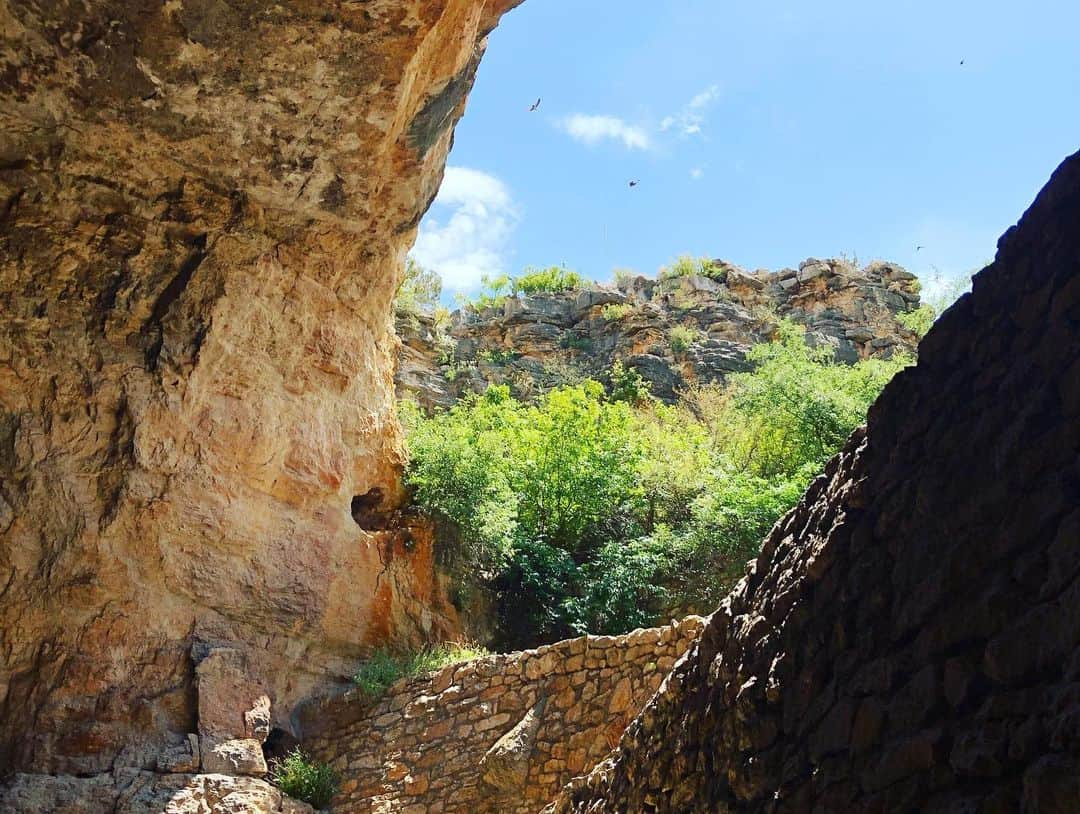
419 290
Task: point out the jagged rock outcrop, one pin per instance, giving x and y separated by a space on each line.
909 637
204 207
537 342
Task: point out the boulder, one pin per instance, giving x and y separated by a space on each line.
506 764
237 756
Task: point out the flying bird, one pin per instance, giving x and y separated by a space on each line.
961 62
634 183
919 248
535 106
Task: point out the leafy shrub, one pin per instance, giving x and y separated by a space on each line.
919 321
614 312
551 280
623 276
687 266
493 292
384 667
681 337
497 356
592 512
455 370
628 385
420 289
304 779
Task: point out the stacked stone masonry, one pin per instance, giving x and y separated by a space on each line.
909 637
426 747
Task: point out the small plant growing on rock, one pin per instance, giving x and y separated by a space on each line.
687 266
628 385
497 356
552 280
615 312
385 667
305 779
681 338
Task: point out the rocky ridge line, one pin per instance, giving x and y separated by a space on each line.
536 342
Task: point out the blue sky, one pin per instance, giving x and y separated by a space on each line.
761 133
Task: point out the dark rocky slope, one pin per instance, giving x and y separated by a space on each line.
908 638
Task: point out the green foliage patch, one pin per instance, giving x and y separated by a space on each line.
304 779
420 289
687 266
386 666
682 337
594 511
615 312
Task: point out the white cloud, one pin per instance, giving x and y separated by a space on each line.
466 233
705 98
690 119
697 173
592 129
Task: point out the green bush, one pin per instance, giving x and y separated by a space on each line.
919 321
304 779
551 280
497 356
628 385
587 511
681 337
384 667
420 289
687 266
614 312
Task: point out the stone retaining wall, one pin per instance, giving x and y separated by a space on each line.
499 734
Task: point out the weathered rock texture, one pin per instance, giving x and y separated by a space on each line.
909 638
130 791
537 342
502 734
203 211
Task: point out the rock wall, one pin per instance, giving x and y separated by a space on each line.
909 638
204 207
502 734
534 343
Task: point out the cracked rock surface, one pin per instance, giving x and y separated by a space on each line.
909 637
204 207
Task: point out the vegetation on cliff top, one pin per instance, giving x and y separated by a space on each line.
594 512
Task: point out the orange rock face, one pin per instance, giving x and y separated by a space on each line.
203 212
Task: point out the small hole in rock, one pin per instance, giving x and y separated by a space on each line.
365 510
278 744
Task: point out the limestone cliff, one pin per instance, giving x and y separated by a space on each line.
536 342
909 637
204 207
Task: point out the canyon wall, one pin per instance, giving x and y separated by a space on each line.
534 343
909 637
204 207
502 734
